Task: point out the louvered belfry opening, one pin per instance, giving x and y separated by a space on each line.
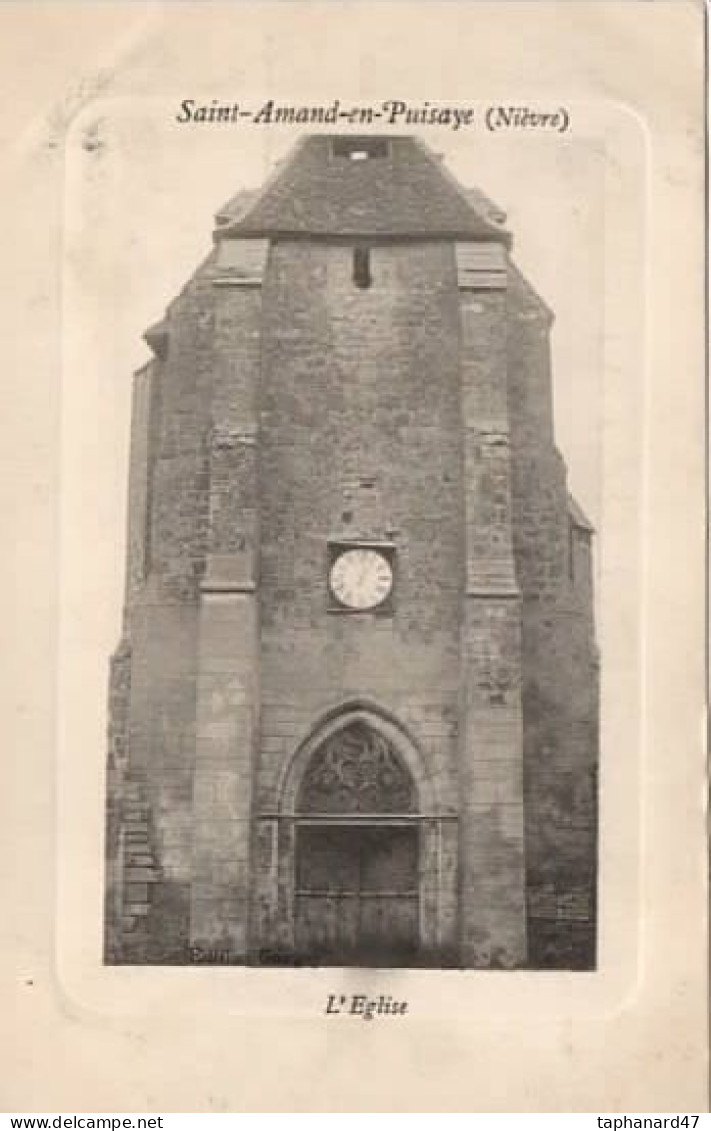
357 851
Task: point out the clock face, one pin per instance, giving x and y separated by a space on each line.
361 578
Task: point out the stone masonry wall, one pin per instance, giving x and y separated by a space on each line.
360 410
560 695
228 675
162 613
492 913
355 433
360 402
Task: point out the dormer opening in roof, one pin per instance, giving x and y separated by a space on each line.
360 148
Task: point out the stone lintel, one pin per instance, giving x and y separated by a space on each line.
494 433
213 587
483 592
235 281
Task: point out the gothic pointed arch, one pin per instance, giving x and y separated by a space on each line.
357 758
356 770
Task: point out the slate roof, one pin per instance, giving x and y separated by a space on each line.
405 192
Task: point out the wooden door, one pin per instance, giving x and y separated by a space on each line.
357 894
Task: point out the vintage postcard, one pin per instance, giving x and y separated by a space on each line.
371 382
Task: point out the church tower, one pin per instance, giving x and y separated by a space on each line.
353 713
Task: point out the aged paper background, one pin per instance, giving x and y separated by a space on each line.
78 222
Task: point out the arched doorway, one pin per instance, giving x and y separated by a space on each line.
357 852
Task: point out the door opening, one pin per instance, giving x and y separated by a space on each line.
357 894
357 854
